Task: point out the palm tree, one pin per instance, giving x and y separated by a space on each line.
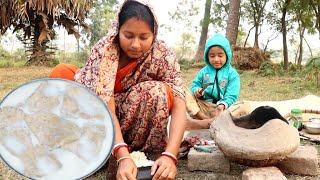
37 18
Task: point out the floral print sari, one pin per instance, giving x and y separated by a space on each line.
142 105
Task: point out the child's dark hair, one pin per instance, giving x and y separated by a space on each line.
134 9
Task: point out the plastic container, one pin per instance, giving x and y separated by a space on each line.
296 118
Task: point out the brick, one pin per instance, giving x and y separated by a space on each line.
303 161
214 161
263 173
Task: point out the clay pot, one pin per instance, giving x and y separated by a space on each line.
264 146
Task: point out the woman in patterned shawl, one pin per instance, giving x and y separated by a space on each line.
139 79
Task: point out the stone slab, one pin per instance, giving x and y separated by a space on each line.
263 173
303 161
214 161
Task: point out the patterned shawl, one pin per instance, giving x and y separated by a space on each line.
158 64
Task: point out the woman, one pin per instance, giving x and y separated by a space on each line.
139 79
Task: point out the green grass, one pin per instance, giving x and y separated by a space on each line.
11 78
258 88
254 87
11 63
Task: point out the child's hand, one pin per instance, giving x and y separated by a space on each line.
199 92
218 110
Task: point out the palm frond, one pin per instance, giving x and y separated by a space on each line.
12 11
37 18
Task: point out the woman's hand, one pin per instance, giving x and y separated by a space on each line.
164 168
127 170
198 92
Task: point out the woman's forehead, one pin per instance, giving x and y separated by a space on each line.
136 26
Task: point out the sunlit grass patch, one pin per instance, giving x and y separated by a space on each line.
11 78
11 63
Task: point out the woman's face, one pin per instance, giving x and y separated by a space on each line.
135 37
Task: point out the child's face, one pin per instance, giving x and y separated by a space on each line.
217 57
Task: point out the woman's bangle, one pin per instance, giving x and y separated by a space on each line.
171 156
122 158
117 147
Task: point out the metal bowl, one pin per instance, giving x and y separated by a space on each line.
312 127
315 120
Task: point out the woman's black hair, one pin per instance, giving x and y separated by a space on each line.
133 9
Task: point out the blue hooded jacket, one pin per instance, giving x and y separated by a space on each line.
227 77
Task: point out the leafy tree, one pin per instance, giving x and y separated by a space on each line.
185 15
186 45
241 36
313 69
304 16
101 17
219 14
315 4
255 13
37 20
217 17
216 13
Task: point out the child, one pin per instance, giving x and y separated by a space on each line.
216 86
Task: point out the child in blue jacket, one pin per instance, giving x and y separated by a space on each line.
222 79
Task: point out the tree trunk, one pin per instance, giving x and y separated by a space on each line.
233 21
310 50
204 30
245 42
270 38
284 35
301 47
258 8
256 37
40 56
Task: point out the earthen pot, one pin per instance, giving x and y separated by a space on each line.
263 146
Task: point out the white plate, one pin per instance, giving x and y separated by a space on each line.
55 129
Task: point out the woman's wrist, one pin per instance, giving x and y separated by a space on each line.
171 156
123 158
120 148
